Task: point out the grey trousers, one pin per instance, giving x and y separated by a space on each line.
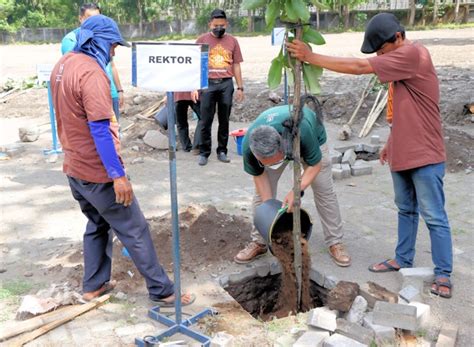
325 199
97 201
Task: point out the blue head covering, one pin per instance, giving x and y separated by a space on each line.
96 37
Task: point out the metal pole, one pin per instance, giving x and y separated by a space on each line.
52 119
174 205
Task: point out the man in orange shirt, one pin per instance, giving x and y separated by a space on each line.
415 149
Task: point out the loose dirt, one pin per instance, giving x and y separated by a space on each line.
287 303
207 239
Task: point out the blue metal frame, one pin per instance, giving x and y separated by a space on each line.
177 326
56 148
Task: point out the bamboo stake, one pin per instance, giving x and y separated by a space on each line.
370 113
362 98
17 328
74 311
376 114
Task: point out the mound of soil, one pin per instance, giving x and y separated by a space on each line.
207 238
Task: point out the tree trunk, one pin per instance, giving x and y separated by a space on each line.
317 18
435 12
250 24
140 16
411 21
347 17
456 12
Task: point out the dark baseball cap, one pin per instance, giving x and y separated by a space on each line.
218 13
380 28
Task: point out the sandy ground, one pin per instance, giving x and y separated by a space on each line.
39 218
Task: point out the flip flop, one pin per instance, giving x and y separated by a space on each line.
438 284
388 267
106 288
163 303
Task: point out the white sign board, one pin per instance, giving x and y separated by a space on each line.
169 67
44 72
278 35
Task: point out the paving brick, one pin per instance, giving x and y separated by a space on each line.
317 277
410 293
322 317
372 292
447 336
395 315
223 281
242 276
383 335
425 273
416 282
360 168
285 340
372 148
349 157
312 339
343 149
346 170
357 311
423 314
335 156
222 339
355 331
359 147
330 282
375 139
263 270
275 268
338 340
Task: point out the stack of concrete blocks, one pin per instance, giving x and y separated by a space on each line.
345 164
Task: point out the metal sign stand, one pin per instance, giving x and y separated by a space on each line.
178 326
56 148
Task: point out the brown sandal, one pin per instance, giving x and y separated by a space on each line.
437 284
106 287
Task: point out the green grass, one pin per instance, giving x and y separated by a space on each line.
10 290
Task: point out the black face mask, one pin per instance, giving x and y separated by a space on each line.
218 31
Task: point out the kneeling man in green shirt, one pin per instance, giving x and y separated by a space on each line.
265 160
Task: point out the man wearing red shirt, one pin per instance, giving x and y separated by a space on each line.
415 149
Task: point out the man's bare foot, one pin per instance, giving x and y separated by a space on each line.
106 287
186 299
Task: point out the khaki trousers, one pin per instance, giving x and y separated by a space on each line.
325 199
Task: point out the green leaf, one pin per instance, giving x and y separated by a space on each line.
253 4
272 12
312 36
289 76
311 75
301 9
320 5
275 72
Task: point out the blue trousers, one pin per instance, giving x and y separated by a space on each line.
418 191
116 107
97 201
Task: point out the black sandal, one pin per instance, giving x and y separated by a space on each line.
388 267
438 284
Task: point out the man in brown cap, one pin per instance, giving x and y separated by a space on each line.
415 148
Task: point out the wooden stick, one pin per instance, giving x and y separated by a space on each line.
70 314
376 114
16 328
362 98
370 113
